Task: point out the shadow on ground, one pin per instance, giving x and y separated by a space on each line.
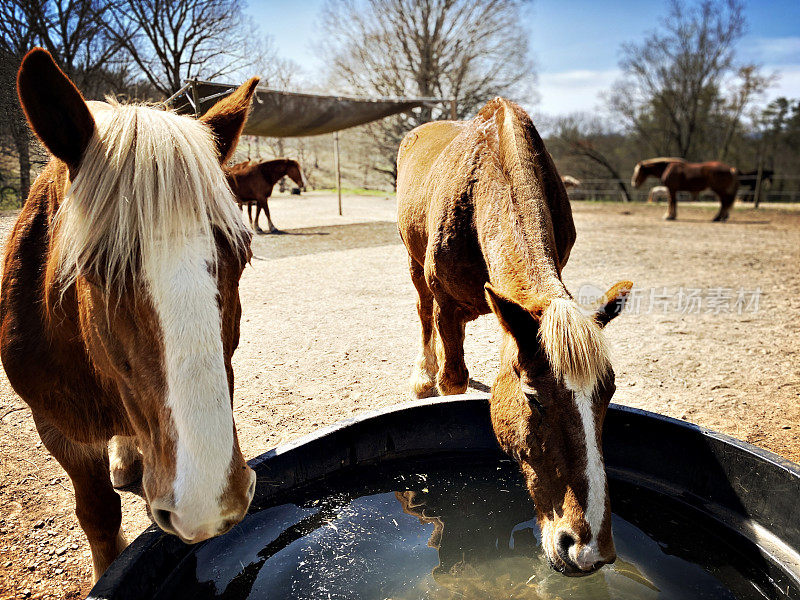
330 238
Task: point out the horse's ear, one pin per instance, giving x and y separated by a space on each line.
613 302
54 108
228 116
514 318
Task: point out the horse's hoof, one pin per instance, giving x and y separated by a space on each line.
669 217
430 392
422 387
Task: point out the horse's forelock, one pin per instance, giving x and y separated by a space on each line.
147 175
574 344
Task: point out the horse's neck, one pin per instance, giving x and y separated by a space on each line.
274 172
657 169
520 252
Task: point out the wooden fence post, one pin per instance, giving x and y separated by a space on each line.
338 167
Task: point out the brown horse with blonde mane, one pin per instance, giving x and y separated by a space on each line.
120 307
677 175
488 227
252 183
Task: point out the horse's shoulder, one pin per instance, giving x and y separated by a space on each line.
428 140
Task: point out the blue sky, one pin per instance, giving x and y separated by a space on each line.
574 43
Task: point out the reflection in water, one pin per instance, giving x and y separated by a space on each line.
462 573
423 531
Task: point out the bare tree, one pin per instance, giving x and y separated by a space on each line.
17 37
672 79
751 84
469 50
586 138
72 32
174 40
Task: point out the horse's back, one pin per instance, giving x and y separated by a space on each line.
453 179
695 177
245 181
419 150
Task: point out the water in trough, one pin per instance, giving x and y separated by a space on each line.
458 527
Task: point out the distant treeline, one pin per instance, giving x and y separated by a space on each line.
682 91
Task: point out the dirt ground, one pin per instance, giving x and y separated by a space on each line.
329 330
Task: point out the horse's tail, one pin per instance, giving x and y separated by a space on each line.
734 183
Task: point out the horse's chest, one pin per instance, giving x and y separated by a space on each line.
455 268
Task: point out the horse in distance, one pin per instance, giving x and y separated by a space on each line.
253 181
677 175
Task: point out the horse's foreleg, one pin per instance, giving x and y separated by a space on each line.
270 227
672 207
453 377
423 375
125 461
258 214
97 505
250 213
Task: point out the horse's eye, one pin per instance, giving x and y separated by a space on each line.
533 399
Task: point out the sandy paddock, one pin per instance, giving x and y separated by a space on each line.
330 329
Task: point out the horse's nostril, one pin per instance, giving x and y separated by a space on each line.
564 542
163 519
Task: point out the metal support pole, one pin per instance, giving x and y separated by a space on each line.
195 99
338 167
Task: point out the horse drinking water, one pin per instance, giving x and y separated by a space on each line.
677 175
252 183
488 227
120 306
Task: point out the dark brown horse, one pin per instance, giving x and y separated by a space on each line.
677 175
120 306
488 228
749 179
252 183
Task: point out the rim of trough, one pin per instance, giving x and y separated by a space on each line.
107 585
281 449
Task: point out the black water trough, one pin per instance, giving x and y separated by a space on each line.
696 514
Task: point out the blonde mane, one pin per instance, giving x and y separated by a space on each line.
572 340
661 159
574 344
149 181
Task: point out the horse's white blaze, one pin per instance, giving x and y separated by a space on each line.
184 294
595 472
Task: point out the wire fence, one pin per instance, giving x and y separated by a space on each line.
779 189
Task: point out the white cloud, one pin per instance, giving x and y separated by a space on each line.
581 90
788 84
779 50
574 91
